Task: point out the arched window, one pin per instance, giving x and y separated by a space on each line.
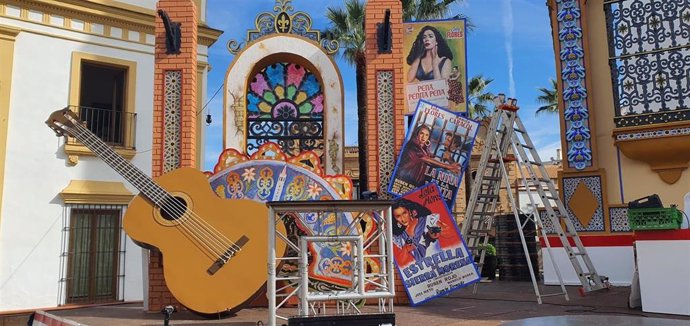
285 106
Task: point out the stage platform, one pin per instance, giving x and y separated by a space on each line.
496 303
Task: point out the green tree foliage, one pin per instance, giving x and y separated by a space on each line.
549 99
479 97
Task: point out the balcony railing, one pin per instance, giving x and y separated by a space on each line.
116 128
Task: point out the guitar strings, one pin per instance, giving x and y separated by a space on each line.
158 199
203 230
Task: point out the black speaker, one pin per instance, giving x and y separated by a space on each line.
344 320
651 201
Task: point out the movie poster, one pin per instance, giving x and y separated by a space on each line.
431 256
437 148
435 66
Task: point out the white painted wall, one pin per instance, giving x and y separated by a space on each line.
36 169
617 263
151 4
664 279
148 4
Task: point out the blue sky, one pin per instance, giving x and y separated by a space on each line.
511 44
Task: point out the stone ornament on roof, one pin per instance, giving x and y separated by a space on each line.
281 21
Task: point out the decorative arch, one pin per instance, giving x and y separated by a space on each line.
292 52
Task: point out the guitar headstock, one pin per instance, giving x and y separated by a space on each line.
63 121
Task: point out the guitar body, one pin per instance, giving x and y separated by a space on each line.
192 245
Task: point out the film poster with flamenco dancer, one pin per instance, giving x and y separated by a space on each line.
437 148
431 255
435 68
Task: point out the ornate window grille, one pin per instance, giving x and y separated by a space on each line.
285 106
649 56
93 252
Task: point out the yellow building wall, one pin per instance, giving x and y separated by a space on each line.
638 179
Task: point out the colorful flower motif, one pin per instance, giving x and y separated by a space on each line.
573 74
574 93
575 111
580 155
345 248
569 11
314 191
249 175
570 33
577 132
572 53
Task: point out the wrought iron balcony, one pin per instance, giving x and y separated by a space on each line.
116 128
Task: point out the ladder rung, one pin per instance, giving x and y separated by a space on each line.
487 196
482 213
507 158
552 294
478 233
526 146
519 130
535 163
492 178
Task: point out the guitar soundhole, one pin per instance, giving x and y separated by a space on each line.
173 208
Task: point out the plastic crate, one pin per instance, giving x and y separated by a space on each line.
654 218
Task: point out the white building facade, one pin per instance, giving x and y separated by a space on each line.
61 237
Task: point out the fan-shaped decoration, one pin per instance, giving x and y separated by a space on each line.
271 175
285 106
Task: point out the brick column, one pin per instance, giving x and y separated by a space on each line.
385 96
174 117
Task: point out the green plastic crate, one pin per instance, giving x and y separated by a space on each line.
654 218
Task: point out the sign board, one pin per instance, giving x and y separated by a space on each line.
437 148
435 66
431 256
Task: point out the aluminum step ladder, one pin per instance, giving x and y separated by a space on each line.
506 133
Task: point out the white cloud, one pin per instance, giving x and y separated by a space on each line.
549 151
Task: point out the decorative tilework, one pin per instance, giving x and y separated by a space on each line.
546 221
572 56
618 219
654 134
593 183
172 120
386 136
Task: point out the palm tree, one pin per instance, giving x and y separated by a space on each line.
414 10
479 97
346 26
548 97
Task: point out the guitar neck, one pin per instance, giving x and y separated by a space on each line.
126 169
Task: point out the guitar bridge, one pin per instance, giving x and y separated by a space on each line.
225 257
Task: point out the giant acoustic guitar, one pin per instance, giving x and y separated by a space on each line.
214 250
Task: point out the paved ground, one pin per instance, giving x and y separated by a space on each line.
495 304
